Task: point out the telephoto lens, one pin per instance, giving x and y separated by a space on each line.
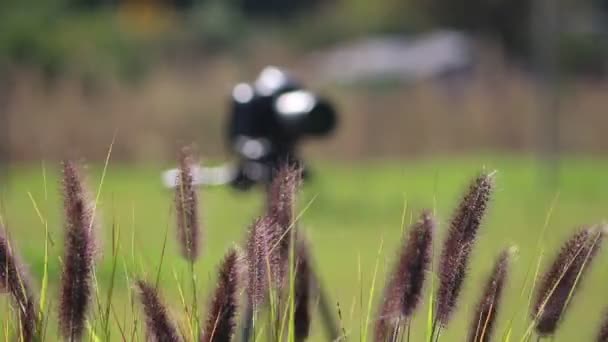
301 113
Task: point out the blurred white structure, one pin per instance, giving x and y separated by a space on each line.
425 56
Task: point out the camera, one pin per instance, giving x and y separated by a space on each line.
268 120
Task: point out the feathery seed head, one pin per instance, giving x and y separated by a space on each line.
487 309
269 237
459 243
281 206
79 209
404 287
159 327
602 335
257 255
561 280
15 280
186 205
79 254
282 193
415 261
221 321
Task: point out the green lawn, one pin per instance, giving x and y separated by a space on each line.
355 209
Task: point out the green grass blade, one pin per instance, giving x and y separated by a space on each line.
115 248
92 335
431 311
45 275
371 293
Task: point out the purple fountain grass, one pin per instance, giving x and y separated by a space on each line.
257 257
282 194
15 280
159 327
458 245
302 284
561 280
268 241
281 205
264 263
485 315
404 287
79 254
602 335
186 208
221 321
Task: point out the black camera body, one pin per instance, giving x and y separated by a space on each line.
268 120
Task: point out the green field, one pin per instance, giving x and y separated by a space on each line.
354 212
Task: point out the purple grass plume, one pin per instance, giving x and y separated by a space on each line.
457 248
302 289
79 254
281 205
259 260
282 194
15 280
159 327
186 208
602 335
404 287
562 279
485 315
268 241
221 321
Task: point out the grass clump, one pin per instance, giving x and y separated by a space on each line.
269 291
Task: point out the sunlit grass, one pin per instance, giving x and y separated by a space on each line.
355 208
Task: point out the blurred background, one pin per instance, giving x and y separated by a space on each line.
428 93
410 77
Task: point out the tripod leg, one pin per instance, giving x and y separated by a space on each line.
326 309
